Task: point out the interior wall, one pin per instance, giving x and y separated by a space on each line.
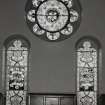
53 65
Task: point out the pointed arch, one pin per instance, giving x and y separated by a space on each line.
16 55
88 56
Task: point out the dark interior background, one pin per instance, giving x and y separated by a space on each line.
53 65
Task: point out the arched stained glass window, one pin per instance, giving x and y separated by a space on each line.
87 68
16 68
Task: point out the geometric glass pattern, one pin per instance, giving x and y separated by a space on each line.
53 20
87 67
16 72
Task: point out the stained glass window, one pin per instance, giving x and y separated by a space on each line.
53 20
16 55
87 67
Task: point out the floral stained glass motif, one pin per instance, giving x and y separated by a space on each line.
53 20
87 56
16 73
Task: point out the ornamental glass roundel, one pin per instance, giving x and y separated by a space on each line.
53 20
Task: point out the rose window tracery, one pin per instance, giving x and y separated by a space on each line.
53 20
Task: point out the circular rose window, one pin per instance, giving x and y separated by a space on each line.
53 20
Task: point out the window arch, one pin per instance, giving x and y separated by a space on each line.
16 49
87 51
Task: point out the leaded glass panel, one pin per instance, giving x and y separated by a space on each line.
16 72
87 56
